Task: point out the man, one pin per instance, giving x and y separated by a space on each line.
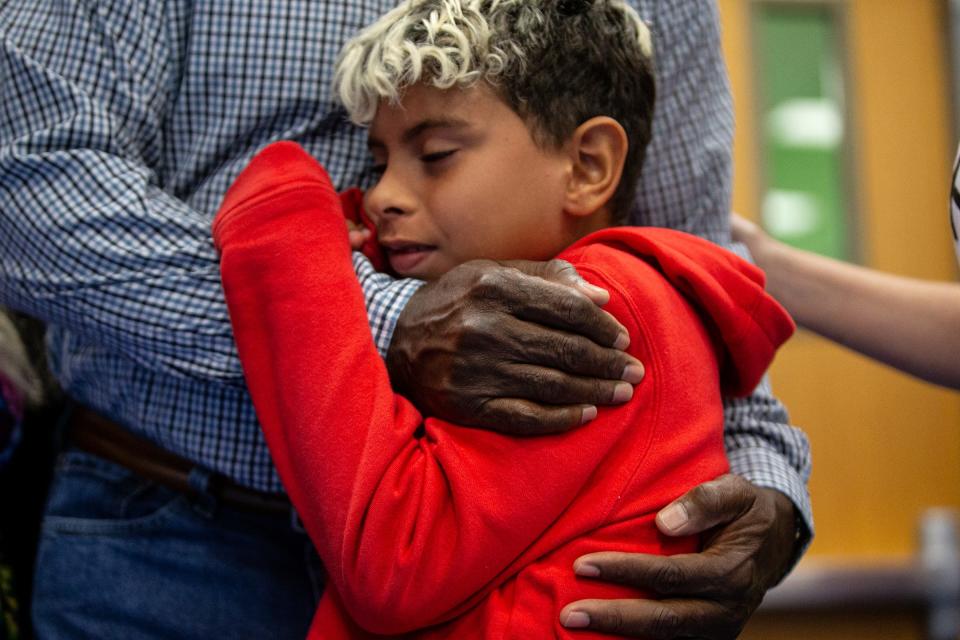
120 128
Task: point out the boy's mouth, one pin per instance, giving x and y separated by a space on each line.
405 256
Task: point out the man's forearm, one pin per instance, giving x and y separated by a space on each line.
87 239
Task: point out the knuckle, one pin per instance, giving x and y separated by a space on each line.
572 310
540 384
738 486
477 330
524 418
474 268
613 619
669 578
566 351
562 268
735 481
705 497
482 412
553 389
491 282
487 282
665 623
489 413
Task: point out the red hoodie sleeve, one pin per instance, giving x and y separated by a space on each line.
413 519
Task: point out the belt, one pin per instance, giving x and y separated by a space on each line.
93 433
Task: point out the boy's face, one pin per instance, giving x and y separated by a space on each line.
463 179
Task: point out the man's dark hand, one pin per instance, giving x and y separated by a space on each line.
521 347
712 594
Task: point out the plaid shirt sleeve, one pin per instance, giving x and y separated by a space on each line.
88 239
686 185
91 237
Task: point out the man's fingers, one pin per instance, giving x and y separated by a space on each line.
548 386
743 556
569 352
707 505
695 574
563 273
489 345
653 619
520 417
550 304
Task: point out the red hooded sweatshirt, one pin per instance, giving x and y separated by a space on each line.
432 530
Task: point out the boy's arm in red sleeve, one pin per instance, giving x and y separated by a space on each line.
414 519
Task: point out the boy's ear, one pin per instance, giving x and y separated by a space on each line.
598 150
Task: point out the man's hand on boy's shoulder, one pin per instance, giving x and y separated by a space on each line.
749 544
520 347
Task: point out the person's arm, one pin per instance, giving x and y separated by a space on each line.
391 501
88 239
910 324
91 240
686 185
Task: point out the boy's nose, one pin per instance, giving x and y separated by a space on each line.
390 196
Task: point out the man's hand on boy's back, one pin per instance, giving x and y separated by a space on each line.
749 544
521 347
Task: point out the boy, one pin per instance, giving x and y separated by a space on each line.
483 153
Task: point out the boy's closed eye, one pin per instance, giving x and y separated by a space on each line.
377 170
437 156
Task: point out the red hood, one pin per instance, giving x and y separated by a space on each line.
746 324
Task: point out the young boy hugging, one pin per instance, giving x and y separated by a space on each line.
501 129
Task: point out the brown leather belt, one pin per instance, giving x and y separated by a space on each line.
93 433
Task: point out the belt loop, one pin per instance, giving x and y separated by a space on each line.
204 501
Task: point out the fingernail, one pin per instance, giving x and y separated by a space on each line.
674 517
575 620
589 413
603 293
586 570
622 392
632 373
623 341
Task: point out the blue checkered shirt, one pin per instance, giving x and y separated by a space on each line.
123 123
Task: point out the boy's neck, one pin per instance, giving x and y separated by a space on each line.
582 226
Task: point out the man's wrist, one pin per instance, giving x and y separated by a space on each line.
792 531
768 470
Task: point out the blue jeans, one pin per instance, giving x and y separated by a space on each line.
122 557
